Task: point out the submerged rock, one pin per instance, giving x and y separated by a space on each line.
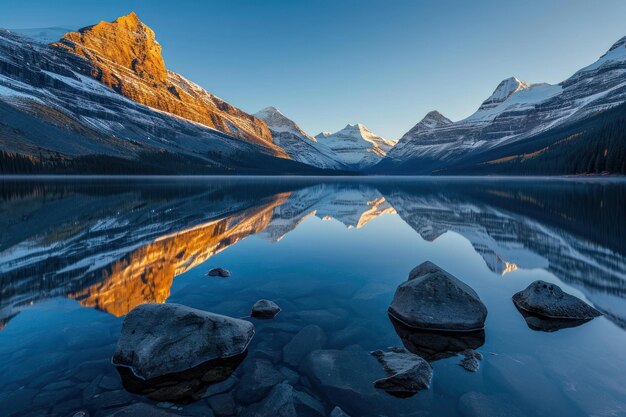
435 300
338 412
308 339
265 309
141 409
407 373
476 404
549 301
257 381
285 401
470 360
219 272
435 345
159 339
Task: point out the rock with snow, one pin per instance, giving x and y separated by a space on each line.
407 372
265 309
435 300
161 339
219 272
356 146
548 300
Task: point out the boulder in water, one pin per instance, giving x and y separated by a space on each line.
407 373
219 272
265 309
160 339
548 300
433 299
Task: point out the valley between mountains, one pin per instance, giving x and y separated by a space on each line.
101 100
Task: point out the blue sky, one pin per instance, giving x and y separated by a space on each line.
383 63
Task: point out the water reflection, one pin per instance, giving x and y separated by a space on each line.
112 246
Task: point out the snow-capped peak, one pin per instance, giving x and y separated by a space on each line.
504 90
279 123
615 54
434 119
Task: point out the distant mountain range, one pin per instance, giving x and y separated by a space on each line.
101 100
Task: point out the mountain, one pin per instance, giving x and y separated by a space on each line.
298 144
64 112
125 56
356 146
515 113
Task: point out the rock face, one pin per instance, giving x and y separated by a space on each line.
435 300
265 309
548 300
160 339
408 373
125 56
219 272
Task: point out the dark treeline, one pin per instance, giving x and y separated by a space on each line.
593 146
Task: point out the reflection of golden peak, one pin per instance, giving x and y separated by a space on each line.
509 267
379 206
146 274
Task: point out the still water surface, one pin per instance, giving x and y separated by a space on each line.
77 255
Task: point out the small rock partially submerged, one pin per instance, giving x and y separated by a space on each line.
158 339
265 309
433 299
548 300
219 272
408 373
470 360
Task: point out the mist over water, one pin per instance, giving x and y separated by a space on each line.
77 255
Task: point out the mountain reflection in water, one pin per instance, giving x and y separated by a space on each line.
113 245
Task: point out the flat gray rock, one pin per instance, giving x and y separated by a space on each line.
434 299
160 339
265 309
549 300
219 272
407 372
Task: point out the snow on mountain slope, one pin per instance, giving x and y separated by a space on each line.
43 35
356 146
299 145
516 110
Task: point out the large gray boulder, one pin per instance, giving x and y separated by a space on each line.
161 339
549 300
407 373
433 299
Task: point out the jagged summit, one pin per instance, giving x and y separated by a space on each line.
503 91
